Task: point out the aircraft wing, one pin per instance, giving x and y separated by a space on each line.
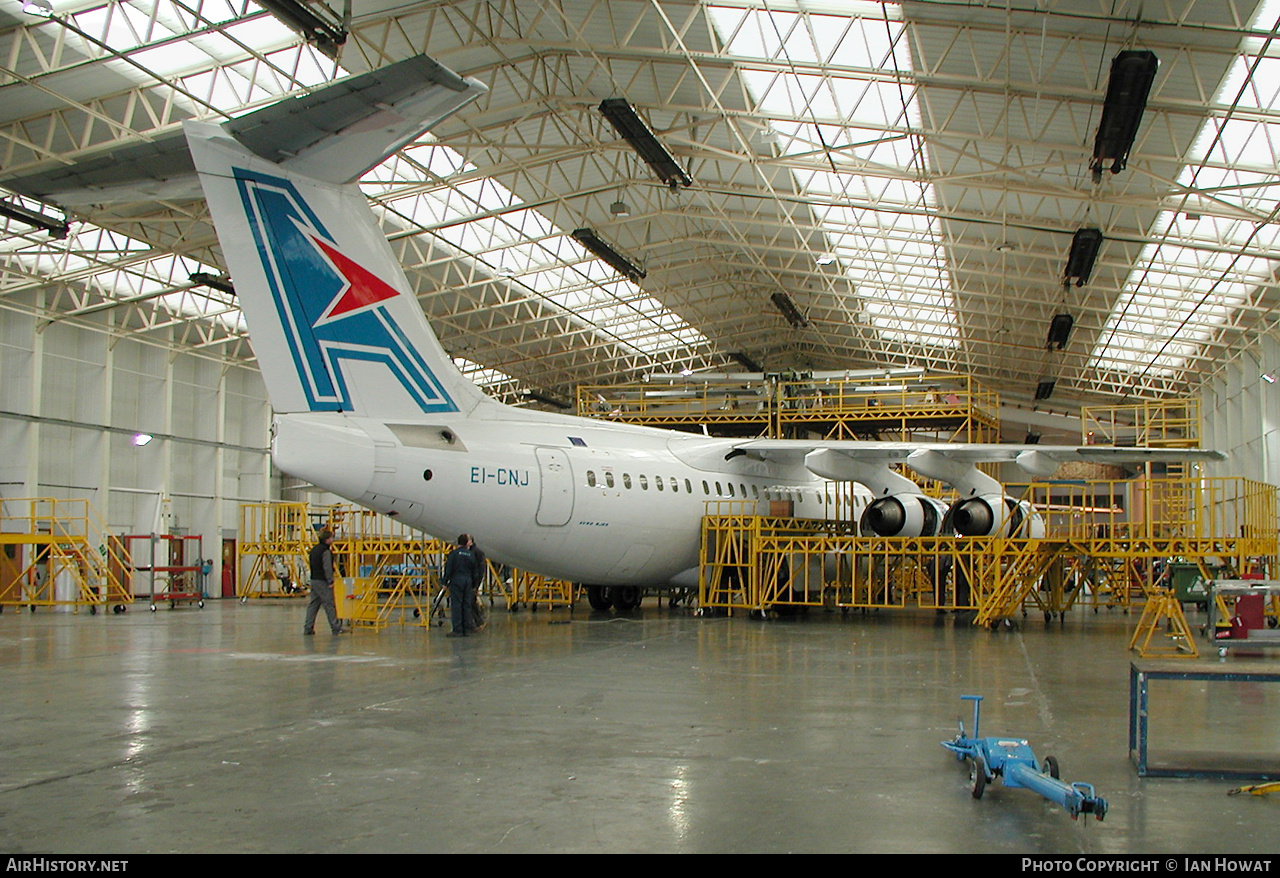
956 463
791 450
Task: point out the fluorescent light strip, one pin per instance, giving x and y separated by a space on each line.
1185 287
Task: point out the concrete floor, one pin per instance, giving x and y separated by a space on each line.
225 730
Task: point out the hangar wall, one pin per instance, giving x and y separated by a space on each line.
1241 414
72 397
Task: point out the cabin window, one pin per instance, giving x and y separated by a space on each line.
731 494
657 482
755 493
719 490
705 489
608 479
743 489
591 478
675 485
626 481
688 487
644 484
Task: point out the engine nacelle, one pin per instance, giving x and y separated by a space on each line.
994 514
903 515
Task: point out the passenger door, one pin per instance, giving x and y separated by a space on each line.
555 486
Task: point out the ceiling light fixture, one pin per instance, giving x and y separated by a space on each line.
1085 244
42 8
785 304
327 38
620 209
1044 389
58 228
1132 73
141 439
627 122
597 245
213 282
1059 331
546 399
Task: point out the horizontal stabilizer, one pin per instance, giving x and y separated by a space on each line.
338 133
159 169
335 134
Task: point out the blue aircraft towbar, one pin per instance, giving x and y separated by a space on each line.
1013 760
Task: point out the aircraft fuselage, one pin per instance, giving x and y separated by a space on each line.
571 498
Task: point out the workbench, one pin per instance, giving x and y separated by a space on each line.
1245 761
1258 638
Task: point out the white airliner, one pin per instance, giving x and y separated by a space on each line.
369 406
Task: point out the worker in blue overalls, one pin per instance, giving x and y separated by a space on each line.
461 575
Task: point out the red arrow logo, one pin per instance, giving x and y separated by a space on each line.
363 288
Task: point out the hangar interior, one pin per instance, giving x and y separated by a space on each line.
866 191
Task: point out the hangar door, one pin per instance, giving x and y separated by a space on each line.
555 486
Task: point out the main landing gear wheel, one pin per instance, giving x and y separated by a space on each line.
626 597
978 774
599 597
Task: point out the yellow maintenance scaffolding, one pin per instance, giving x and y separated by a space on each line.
272 545
385 572
1167 423
59 553
534 590
390 573
955 407
1107 543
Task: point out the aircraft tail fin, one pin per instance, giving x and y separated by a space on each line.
332 317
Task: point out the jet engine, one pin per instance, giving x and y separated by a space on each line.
903 515
994 514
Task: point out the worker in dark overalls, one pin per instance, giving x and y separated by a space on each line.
461 575
321 561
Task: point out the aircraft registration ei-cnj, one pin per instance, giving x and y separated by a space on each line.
370 407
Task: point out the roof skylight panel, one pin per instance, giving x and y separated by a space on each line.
1207 256
174 44
481 375
866 183
481 218
115 268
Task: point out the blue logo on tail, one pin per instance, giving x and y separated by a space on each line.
333 310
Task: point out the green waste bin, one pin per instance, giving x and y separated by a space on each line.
1188 582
